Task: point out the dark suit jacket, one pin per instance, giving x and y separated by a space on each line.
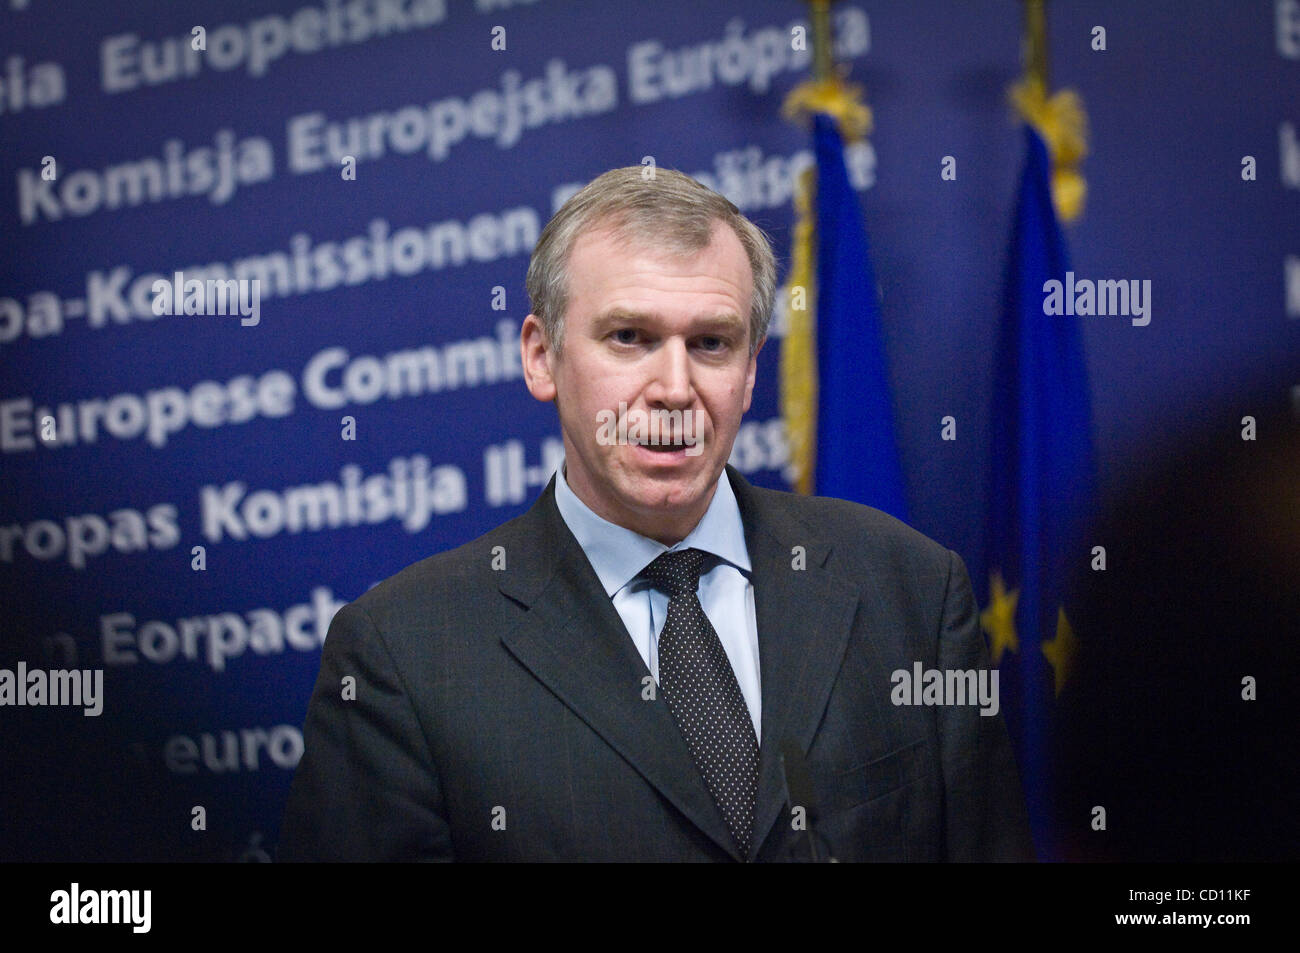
500 714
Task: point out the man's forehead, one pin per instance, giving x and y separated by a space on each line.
629 240
603 257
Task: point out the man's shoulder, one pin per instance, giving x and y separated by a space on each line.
459 576
858 534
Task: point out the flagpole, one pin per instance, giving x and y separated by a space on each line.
1034 51
798 383
820 14
1058 118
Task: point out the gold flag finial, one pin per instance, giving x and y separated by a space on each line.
828 92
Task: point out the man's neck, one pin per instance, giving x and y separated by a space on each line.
658 528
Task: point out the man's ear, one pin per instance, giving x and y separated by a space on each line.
536 355
751 375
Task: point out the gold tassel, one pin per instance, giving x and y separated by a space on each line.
840 100
1063 124
798 348
843 102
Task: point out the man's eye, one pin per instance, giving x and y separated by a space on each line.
712 343
626 335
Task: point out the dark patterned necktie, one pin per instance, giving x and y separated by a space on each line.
703 695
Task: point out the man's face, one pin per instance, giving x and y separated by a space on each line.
655 333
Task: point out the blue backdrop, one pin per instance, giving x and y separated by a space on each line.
375 413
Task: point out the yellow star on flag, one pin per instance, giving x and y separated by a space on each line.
999 619
1062 650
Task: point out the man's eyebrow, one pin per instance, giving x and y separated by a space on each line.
726 320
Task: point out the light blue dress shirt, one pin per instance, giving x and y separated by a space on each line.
618 554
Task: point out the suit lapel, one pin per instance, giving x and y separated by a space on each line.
578 647
804 619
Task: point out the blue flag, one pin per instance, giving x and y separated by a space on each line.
857 452
1042 485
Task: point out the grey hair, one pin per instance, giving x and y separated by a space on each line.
675 213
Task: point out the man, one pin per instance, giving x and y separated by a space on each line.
657 661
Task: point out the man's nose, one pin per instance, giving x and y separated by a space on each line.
671 382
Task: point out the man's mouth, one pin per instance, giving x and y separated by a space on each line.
662 447
673 452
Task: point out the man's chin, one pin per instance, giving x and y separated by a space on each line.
670 487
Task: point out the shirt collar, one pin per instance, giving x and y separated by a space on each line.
618 554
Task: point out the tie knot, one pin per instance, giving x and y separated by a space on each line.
676 572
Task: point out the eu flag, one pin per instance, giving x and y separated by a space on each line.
1042 484
857 452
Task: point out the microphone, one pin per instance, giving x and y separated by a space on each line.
799 791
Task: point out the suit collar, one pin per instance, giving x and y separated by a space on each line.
579 648
618 554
